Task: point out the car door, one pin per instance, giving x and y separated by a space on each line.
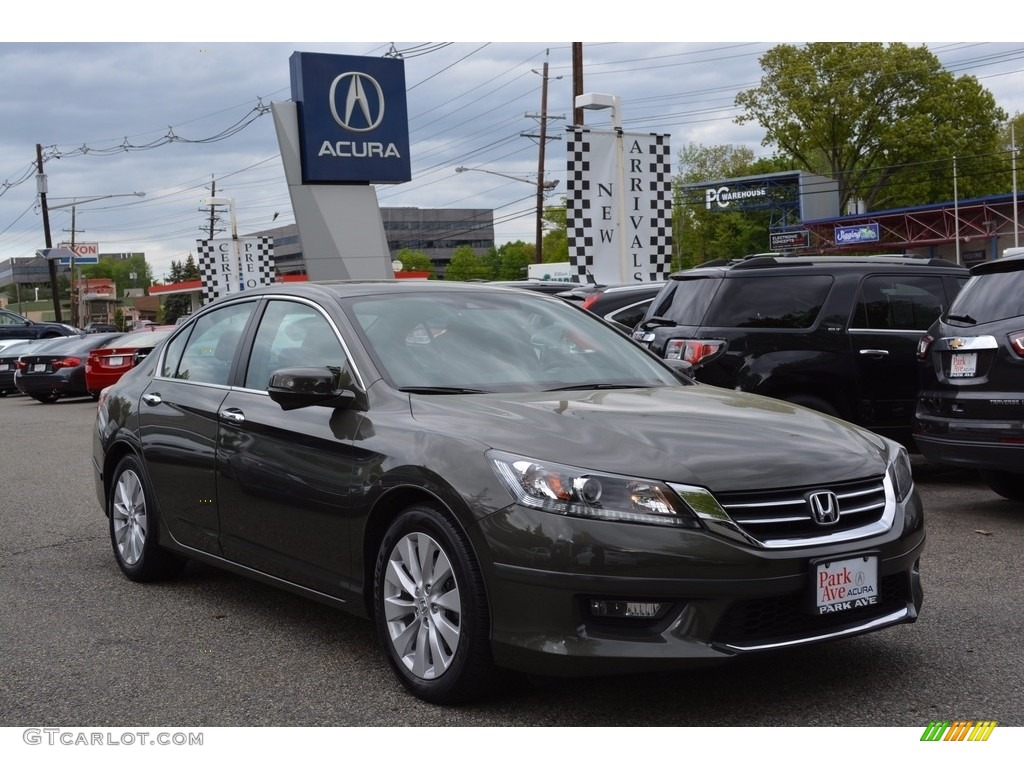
286 479
178 422
892 312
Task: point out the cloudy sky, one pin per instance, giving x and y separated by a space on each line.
169 118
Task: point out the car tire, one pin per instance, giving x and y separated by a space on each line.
1009 485
430 608
814 403
133 527
47 398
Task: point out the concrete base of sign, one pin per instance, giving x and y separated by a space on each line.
339 225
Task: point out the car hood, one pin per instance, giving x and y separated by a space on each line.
698 435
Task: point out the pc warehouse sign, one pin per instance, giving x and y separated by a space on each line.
353 119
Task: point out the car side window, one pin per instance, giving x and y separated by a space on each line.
891 303
291 335
770 302
211 346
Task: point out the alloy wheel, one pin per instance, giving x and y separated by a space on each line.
129 517
422 606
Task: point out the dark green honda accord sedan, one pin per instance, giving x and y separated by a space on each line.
500 481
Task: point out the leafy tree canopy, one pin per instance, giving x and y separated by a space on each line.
416 261
884 121
466 265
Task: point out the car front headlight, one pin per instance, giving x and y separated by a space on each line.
566 490
900 473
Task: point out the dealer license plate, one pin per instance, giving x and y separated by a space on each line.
39 367
843 585
115 361
963 364
4 366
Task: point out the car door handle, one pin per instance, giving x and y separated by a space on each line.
152 398
875 352
233 415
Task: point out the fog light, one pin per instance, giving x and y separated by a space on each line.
625 609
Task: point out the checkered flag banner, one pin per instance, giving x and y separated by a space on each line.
223 271
599 250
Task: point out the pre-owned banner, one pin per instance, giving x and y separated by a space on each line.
619 225
225 270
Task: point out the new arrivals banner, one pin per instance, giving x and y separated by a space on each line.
224 272
601 251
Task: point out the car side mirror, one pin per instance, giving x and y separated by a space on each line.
293 388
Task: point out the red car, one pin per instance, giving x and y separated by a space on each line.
110 362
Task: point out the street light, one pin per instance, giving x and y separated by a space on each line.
75 202
547 185
542 187
607 101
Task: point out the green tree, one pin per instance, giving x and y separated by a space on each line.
513 259
884 121
416 261
179 305
555 247
466 265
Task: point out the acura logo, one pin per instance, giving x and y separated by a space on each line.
824 507
361 114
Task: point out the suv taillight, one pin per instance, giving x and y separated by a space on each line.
694 351
923 345
1017 343
21 365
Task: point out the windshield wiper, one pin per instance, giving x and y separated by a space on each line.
962 319
442 391
598 385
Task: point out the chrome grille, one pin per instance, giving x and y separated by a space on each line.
785 515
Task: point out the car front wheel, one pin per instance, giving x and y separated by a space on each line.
430 608
133 527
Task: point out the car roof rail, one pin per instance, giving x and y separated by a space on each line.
766 260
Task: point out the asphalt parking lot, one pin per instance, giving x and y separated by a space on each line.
82 645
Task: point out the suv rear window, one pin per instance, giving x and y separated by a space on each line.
992 296
770 302
684 302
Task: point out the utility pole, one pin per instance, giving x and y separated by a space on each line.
51 263
75 309
577 81
542 141
213 209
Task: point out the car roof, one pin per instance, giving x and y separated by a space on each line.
1005 264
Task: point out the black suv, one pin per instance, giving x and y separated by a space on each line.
971 409
833 333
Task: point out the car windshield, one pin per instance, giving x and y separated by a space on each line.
497 342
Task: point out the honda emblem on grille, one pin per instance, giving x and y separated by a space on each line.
824 507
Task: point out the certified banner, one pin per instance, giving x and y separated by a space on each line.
619 227
225 269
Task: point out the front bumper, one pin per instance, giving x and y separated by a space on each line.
722 599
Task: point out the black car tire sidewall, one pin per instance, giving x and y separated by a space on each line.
471 670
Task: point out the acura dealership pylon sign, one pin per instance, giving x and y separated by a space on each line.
353 120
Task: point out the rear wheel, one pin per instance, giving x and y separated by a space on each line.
430 608
133 527
1009 485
